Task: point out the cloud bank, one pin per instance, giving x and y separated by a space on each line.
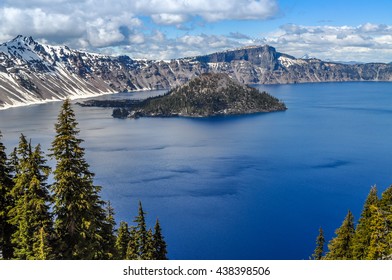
137 28
366 42
100 23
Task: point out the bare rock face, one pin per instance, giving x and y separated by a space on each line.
31 72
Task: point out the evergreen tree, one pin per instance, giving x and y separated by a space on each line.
108 234
80 216
159 244
340 246
141 243
385 211
22 236
318 252
140 234
13 162
363 231
379 245
133 246
43 248
32 202
149 252
6 203
386 199
123 238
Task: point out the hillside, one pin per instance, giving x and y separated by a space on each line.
204 96
31 72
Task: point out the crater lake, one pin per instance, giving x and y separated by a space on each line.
240 187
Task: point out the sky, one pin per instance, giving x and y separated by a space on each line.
338 30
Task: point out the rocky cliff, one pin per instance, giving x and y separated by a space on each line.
31 72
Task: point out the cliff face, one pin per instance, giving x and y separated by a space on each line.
31 72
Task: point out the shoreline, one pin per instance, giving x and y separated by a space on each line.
89 95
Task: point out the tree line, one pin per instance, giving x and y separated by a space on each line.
370 239
66 219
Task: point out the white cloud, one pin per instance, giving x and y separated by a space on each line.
366 42
104 23
116 25
207 9
169 19
159 46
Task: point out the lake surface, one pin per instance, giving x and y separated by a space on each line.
242 187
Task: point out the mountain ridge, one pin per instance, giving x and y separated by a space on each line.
31 72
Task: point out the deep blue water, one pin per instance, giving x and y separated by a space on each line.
242 187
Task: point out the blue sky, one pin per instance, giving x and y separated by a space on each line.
344 30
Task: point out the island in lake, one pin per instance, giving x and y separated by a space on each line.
210 94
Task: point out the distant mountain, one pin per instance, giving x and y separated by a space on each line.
210 94
31 72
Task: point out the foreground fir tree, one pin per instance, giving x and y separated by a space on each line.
30 214
340 248
385 210
379 243
6 203
122 240
318 252
108 234
139 237
159 244
363 231
80 216
143 244
133 252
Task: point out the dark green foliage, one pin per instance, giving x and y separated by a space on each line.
372 238
160 250
31 214
386 211
108 234
318 252
380 245
122 240
77 226
145 244
139 247
78 208
340 247
42 248
6 203
132 247
363 231
207 95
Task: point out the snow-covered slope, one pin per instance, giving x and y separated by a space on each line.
31 72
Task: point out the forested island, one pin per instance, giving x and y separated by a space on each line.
204 96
